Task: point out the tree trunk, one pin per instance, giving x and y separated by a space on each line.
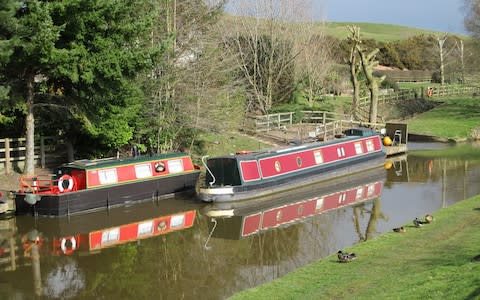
354 68
368 64
356 88
30 129
373 102
70 151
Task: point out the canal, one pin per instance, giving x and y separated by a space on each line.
183 249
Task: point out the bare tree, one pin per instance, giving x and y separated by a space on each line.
190 79
444 51
354 67
315 59
262 36
368 65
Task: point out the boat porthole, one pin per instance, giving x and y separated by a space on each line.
279 216
299 161
162 226
159 167
300 210
278 168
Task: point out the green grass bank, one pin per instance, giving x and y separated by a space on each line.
431 262
455 119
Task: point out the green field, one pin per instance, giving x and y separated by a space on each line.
379 32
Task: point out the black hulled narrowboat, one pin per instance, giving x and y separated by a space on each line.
248 175
92 184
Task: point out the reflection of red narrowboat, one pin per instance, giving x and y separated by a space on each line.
242 219
258 174
113 236
91 184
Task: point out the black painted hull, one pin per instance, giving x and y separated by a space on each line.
86 200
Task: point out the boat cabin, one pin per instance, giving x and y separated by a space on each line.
90 174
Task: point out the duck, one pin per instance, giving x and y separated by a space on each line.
428 218
476 258
345 257
417 223
400 229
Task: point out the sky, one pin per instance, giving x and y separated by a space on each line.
438 15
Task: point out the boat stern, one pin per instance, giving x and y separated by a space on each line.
211 194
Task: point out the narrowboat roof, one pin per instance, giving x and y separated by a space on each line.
353 133
86 164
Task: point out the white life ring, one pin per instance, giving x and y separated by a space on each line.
65 178
68 249
159 167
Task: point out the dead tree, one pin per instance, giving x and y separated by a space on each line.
368 64
354 67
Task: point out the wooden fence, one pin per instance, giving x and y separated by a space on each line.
280 120
12 151
273 121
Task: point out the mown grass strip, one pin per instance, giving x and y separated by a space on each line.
432 262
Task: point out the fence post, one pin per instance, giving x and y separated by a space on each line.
42 152
291 118
7 156
278 122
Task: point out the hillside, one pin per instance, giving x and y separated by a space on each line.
379 32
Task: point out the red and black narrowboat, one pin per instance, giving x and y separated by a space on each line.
93 232
241 219
247 175
93 184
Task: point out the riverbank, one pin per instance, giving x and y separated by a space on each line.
432 262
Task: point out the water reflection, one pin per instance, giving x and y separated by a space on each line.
245 218
172 248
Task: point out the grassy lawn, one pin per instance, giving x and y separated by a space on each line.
215 144
453 119
432 262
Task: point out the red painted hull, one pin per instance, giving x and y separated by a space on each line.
264 173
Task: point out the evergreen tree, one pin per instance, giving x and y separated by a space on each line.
79 58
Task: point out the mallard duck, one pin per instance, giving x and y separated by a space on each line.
417 223
428 218
345 257
400 229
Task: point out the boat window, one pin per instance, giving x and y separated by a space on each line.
359 193
143 171
145 228
371 190
111 235
370 146
175 166
318 157
340 152
107 176
177 221
225 171
358 148
319 204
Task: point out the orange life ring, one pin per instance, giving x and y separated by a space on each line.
68 249
430 92
62 187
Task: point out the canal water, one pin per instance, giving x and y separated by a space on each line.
183 249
